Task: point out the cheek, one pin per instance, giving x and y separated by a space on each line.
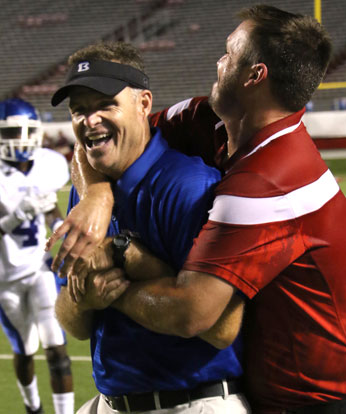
76 130
223 71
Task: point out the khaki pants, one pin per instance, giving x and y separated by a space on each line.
233 404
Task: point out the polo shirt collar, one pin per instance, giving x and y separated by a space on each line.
271 131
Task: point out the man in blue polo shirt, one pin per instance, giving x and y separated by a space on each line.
162 198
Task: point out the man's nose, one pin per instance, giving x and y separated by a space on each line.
219 61
92 119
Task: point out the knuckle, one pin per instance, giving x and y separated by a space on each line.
64 249
73 256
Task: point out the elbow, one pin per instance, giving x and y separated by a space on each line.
224 338
191 322
222 342
81 333
192 326
187 332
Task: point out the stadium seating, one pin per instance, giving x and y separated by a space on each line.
181 41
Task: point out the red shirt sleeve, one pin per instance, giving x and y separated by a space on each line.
193 128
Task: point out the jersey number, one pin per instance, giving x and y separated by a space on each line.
29 233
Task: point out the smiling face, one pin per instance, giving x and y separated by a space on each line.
226 91
113 130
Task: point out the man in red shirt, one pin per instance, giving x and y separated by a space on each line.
276 232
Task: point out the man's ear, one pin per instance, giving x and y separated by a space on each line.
145 102
257 74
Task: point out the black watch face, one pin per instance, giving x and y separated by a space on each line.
121 241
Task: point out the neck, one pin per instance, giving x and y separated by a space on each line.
241 129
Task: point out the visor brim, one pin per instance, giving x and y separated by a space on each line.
104 85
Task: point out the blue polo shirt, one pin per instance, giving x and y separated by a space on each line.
163 198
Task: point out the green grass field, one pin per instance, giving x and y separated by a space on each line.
10 399
338 168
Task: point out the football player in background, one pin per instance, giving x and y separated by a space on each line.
27 285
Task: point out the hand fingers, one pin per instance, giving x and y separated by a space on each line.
91 258
118 287
73 247
73 290
81 269
77 285
115 284
64 249
107 280
66 267
56 235
81 283
77 261
70 288
114 274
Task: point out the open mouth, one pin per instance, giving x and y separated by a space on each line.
93 141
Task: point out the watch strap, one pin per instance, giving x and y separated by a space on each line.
120 244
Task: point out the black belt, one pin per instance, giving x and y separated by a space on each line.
335 407
167 399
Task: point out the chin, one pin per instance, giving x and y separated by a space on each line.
96 164
213 96
215 105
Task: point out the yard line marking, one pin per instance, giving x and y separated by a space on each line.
42 357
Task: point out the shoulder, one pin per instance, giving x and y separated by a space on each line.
188 107
262 188
280 167
190 126
178 180
186 170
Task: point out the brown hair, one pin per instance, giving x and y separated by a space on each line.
112 51
296 50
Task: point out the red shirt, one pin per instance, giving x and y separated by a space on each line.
277 232
193 128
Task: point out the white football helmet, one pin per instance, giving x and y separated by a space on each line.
20 130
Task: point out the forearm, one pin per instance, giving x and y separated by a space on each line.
144 303
87 180
87 222
72 317
141 264
184 306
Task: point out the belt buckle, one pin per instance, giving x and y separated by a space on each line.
109 402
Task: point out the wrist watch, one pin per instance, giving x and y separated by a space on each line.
120 243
